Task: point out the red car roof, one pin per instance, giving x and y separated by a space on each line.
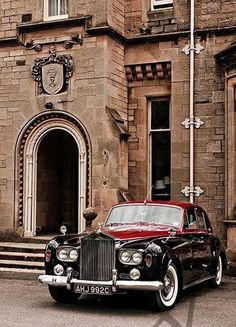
180 204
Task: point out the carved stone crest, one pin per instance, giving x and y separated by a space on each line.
53 73
52 78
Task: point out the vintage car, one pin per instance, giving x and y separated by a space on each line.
156 247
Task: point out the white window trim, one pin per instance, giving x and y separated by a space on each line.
46 17
155 4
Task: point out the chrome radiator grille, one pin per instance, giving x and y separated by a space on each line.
97 259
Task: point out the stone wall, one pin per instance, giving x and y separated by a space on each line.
216 14
98 81
102 12
209 97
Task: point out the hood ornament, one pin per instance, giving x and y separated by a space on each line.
89 215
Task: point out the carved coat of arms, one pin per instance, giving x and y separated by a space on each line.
53 73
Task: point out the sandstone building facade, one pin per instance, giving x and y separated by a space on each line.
95 101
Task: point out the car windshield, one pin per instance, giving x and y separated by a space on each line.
153 214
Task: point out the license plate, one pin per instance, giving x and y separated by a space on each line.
88 289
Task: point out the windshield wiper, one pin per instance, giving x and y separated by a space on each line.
146 223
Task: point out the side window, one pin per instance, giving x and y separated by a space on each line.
208 224
55 9
200 218
161 4
191 219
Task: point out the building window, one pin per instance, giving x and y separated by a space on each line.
55 9
159 147
161 4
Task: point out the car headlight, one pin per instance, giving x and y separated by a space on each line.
62 254
130 257
73 255
125 256
137 258
67 253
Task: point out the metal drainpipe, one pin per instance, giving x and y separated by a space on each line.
191 100
192 122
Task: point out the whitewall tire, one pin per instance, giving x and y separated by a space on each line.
166 298
216 281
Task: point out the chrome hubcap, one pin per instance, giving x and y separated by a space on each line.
169 287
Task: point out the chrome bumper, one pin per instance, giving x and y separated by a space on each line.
68 281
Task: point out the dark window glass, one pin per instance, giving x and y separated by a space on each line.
200 218
160 115
161 165
191 219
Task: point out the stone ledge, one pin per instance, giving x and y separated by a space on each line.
29 27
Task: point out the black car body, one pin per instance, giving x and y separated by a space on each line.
157 247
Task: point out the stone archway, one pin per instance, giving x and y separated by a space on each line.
27 152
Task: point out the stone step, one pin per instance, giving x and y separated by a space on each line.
22 247
24 259
26 256
22 256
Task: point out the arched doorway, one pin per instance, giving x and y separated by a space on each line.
57 183
52 163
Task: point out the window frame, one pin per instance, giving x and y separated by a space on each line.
55 17
198 222
161 4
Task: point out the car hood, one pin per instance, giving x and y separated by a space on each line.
123 232
136 231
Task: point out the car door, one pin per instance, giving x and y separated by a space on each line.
200 243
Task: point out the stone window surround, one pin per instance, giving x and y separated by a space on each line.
230 127
26 165
143 95
47 17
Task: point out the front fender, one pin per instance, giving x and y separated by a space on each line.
169 258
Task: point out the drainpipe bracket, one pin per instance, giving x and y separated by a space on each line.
192 121
197 48
197 191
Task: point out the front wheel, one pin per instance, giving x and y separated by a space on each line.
216 281
62 295
166 298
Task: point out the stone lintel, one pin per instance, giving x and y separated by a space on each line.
156 70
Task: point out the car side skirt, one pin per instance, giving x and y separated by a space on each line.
198 282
